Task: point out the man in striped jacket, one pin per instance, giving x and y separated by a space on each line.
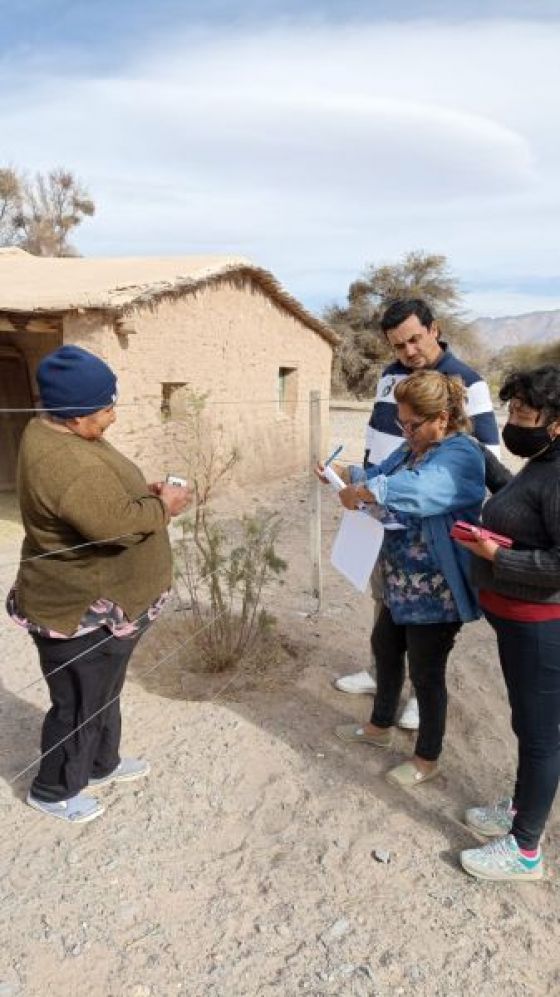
413 335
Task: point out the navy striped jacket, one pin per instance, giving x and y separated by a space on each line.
382 433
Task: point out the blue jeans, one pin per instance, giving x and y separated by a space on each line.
530 660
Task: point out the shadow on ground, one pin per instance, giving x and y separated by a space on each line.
11 529
292 698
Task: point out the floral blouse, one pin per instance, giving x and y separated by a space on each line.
102 613
414 589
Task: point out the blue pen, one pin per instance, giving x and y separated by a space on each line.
334 454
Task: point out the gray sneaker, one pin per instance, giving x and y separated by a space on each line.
76 810
127 770
493 821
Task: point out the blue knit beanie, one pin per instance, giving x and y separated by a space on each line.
73 382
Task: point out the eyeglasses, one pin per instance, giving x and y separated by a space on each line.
410 428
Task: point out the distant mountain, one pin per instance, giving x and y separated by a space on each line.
537 328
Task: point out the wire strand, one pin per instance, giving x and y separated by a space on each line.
80 546
38 410
65 664
114 699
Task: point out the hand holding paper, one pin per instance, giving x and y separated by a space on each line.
333 479
356 497
333 475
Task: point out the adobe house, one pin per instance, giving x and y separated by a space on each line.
213 324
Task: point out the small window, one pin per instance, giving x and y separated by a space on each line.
173 399
287 390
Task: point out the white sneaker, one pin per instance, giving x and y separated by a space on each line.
501 860
410 718
357 683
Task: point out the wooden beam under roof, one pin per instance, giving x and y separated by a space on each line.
19 322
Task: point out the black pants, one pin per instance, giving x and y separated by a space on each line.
428 646
78 691
530 660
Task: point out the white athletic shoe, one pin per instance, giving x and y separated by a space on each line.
358 683
501 860
410 718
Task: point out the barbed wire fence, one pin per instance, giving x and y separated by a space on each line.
315 436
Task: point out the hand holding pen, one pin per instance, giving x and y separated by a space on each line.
338 468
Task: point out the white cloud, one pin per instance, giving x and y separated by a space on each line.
314 153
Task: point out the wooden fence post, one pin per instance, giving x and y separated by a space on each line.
315 496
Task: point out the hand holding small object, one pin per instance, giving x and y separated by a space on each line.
481 546
175 498
340 469
354 496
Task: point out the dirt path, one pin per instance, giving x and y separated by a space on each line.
244 866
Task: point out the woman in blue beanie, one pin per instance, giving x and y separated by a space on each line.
95 572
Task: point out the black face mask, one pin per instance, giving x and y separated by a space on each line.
525 441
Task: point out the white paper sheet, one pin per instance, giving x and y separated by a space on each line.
333 479
356 547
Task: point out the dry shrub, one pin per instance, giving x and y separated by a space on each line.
226 567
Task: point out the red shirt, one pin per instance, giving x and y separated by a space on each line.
517 609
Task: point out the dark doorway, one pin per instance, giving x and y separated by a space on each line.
15 392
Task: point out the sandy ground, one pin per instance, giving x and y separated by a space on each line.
244 865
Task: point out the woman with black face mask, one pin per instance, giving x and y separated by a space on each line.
519 591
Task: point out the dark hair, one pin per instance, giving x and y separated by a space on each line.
402 308
539 388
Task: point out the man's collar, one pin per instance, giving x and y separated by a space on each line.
441 355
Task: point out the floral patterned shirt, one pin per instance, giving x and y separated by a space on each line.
414 589
102 613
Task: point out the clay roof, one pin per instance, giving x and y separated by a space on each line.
43 285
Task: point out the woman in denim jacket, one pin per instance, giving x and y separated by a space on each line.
433 479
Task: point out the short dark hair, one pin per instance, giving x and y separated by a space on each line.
539 388
402 308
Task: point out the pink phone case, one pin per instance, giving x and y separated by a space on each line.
464 531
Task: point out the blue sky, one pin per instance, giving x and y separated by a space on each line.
313 137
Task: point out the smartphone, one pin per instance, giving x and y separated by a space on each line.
465 531
174 479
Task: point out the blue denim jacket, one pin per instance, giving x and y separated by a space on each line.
448 484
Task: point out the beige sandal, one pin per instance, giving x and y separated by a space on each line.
407 776
355 732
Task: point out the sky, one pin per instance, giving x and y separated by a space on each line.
315 137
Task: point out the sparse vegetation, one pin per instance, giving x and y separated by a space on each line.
363 350
225 568
40 214
524 355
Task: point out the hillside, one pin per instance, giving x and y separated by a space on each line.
537 328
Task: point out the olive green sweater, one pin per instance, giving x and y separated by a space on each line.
72 491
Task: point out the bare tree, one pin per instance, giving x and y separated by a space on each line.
10 207
40 214
364 350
